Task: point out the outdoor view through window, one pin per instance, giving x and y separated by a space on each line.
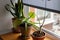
52 20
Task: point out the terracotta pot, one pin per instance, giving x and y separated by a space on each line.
24 32
17 29
38 38
1 38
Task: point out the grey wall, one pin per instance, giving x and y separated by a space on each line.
5 18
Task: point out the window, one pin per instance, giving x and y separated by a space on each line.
52 20
41 13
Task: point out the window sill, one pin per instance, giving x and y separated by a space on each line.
50 33
47 21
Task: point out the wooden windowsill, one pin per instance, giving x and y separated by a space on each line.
14 36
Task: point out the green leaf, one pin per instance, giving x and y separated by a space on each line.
10 6
16 10
31 13
30 16
33 25
8 9
11 2
16 22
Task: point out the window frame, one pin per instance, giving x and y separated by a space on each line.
47 19
50 32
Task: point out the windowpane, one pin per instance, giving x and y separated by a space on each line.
52 20
41 13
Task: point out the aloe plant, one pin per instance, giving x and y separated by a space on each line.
18 14
16 7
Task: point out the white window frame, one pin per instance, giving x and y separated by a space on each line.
49 33
47 20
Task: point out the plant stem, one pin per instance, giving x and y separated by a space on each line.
22 7
40 26
25 30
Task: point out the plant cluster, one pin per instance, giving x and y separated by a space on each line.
16 9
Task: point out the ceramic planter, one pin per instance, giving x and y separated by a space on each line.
38 38
17 29
26 33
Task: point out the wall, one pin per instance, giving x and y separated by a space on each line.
5 18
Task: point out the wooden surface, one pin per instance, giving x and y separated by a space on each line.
14 36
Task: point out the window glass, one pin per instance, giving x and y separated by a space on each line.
52 20
41 13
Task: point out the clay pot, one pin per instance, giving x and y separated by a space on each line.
1 38
38 38
26 33
17 29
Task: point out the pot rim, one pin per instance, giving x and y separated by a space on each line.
37 37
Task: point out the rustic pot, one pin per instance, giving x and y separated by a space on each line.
17 29
26 33
38 38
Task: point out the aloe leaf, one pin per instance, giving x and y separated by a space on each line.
12 3
16 10
26 27
9 11
34 26
20 8
12 13
10 6
28 17
6 8
31 13
16 22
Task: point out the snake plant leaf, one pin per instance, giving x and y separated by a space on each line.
12 3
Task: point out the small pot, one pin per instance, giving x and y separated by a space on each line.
17 29
24 32
1 38
38 38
